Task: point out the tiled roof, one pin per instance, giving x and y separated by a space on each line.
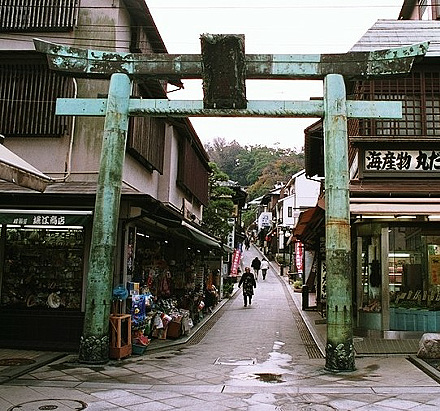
386 34
74 188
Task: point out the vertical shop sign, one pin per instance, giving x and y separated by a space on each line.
130 251
299 256
235 262
231 235
434 263
323 281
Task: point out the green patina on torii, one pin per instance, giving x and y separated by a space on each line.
216 50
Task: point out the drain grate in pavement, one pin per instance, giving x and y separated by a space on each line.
235 361
50 404
307 339
13 362
367 346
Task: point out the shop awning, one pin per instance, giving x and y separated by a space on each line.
47 218
197 236
310 222
228 249
15 170
395 206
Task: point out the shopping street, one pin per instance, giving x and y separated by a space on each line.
268 356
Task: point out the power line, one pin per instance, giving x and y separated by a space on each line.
208 8
352 5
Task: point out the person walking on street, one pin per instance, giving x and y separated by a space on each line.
256 264
248 282
264 268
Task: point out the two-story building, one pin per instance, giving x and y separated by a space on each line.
394 185
45 236
395 190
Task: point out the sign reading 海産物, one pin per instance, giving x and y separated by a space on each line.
400 162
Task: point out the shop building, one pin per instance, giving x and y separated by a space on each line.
45 236
394 191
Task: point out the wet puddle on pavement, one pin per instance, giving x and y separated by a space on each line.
269 377
266 377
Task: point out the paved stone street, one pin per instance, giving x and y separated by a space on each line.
261 357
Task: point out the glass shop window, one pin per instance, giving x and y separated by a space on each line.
414 267
371 275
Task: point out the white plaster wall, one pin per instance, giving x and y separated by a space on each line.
96 27
306 192
305 195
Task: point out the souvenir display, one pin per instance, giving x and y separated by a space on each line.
43 268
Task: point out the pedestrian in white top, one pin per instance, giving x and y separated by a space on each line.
264 267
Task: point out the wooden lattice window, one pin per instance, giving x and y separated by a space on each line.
37 15
420 97
146 138
28 93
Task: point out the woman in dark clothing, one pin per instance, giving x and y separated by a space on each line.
248 281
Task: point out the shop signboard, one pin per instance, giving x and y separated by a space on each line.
231 235
400 162
264 220
44 218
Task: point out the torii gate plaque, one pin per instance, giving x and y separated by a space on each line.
334 109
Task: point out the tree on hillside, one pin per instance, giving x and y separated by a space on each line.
255 167
220 206
226 156
279 170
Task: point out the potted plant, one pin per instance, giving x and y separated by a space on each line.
297 286
227 290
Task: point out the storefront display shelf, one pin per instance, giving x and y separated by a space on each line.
43 268
414 319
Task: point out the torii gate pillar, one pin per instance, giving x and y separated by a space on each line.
94 344
339 347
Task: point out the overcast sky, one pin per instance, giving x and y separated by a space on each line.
276 26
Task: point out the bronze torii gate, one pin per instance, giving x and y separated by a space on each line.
224 68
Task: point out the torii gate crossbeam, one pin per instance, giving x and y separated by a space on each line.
257 108
334 108
98 63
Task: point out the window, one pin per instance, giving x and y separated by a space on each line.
146 138
43 268
420 97
28 93
289 212
37 15
371 275
192 172
146 141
